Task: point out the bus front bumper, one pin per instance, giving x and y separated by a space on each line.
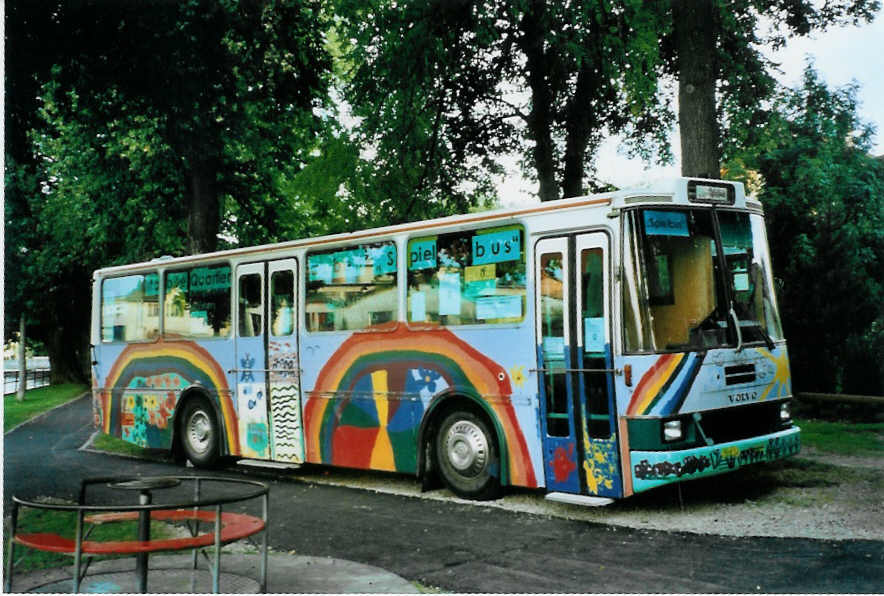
656 468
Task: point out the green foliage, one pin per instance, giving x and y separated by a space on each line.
441 90
740 30
38 401
146 129
822 194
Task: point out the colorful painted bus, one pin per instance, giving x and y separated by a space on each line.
595 347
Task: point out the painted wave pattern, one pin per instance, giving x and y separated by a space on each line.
286 423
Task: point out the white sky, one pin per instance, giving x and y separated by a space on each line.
841 55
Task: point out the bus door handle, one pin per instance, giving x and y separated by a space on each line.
616 371
265 370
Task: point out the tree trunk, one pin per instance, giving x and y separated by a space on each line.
540 118
22 361
579 126
68 338
695 24
204 215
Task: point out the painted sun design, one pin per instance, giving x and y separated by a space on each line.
782 377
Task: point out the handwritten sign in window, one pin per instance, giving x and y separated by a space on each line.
497 247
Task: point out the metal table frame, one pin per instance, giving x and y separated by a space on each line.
144 485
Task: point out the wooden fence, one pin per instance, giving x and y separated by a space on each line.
867 400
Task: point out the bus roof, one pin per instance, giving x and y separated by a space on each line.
676 191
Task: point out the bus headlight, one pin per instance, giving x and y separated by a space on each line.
672 431
785 412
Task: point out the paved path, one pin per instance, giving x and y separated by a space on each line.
460 547
171 574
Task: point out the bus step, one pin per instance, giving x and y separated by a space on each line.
273 465
578 499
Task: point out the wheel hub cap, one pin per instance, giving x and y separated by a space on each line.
467 448
199 431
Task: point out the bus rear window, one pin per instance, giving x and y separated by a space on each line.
467 278
197 302
130 308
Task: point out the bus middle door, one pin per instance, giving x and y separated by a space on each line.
286 437
574 353
251 360
555 358
595 361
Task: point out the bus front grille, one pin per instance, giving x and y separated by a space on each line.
741 422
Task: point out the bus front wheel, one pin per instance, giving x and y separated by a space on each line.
467 456
199 433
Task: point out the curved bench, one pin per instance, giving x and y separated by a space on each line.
222 527
234 526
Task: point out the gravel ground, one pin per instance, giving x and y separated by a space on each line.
808 496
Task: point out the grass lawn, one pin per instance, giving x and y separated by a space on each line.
110 444
32 520
843 438
37 401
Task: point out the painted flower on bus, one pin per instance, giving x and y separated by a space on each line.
369 400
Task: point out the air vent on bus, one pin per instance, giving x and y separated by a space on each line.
740 373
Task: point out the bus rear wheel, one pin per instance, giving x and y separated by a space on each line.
199 433
467 456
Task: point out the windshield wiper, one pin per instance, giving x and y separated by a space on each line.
736 321
768 341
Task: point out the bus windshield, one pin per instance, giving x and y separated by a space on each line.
683 290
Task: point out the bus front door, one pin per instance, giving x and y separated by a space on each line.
268 373
575 362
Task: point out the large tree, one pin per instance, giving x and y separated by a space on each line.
140 129
724 78
442 89
823 197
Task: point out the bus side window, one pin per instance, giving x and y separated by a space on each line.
594 342
197 302
130 308
251 306
552 325
282 300
468 278
353 287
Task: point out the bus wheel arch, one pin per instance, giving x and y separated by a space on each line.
198 429
461 445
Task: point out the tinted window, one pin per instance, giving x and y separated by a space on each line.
282 303
467 278
130 309
352 288
251 305
197 302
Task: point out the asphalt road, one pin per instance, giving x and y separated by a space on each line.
463 548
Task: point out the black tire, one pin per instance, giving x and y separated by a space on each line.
467 456
199 433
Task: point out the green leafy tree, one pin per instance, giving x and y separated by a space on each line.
442 89
233 85
144 129
823 196
724 80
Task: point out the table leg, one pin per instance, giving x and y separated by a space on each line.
141 559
